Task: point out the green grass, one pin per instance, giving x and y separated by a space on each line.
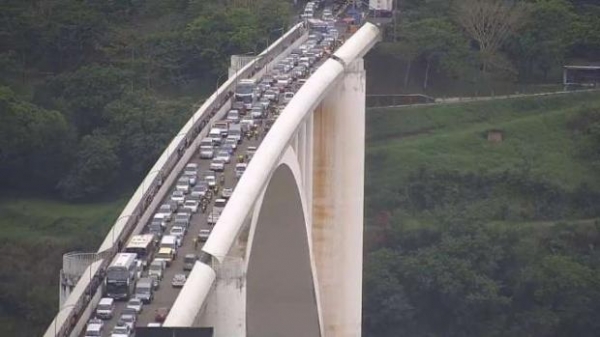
453 137
26 218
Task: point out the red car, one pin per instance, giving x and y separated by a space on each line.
161 314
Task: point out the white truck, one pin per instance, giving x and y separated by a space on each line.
381 8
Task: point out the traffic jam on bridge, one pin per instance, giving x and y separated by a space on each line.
144 278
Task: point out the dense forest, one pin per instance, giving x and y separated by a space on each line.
477 43
92 90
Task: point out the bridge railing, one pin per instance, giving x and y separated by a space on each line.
67 317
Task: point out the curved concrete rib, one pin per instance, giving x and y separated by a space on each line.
192 296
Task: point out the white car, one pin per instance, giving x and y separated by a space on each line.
128 319
287 97
217 164
224 155
179 233
230 141
178 280
233 116
178 197
122 330
94 328
204 234
191 176
206 152
240 168
192 205
165 211
227 192
136 304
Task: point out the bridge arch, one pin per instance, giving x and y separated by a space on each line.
280 287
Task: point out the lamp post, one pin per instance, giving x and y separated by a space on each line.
217 88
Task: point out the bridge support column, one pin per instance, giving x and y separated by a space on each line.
337 232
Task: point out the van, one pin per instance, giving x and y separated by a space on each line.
169 241
157 268
105 308
144 290
165 254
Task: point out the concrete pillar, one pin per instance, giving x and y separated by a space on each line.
338 194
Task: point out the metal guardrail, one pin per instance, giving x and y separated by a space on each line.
63 323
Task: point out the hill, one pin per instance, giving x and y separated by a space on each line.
472 237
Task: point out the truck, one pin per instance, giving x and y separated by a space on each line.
381 8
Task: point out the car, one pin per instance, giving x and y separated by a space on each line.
226 193
240 168
200 189
256 113
178 280
224 155
271 95
178 197
94 328
265 102
287 96
122 330
161 314
183 184
204 234
165 211
233 116
213 217
183 218
230 143
217 165
155 281
135 303
128 319
105 308
210 178
191 176
179 233
206 152
192 205
189 260
157 268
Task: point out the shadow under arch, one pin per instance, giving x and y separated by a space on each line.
280 294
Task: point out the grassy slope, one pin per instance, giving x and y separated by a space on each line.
24 218
453 137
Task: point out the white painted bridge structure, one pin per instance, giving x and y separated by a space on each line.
290 235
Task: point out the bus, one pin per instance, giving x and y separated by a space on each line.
244 92
143 246
121 276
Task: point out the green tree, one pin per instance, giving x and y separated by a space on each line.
83 94
96 168
143 126
34 144
546 37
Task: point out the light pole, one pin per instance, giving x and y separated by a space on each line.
58 314
217 88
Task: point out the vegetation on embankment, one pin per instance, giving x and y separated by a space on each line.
34 234
469 237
